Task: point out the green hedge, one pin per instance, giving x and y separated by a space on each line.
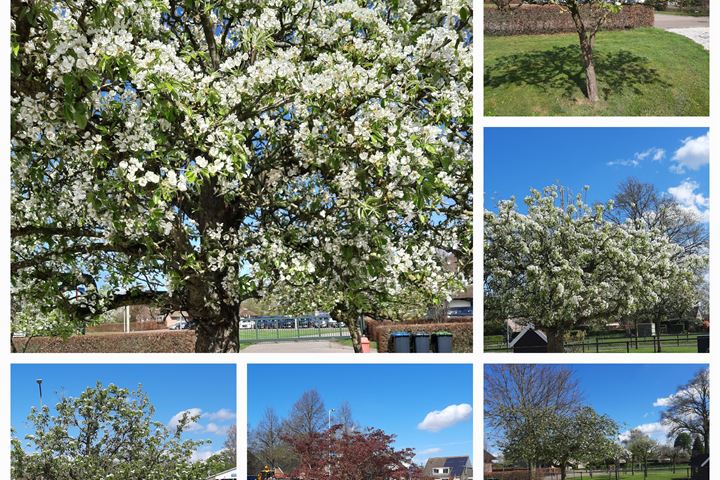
161 341
462 333
544 19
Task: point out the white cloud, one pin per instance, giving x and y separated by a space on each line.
191 427
429 451
690 200
202 455
216 429
654 153
221 415
656 430
450 415
694 153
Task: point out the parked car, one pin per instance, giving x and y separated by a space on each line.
184 324
247 324
460 312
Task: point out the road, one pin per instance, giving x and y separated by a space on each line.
696 29
678 21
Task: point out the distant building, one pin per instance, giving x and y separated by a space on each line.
488 459
448 468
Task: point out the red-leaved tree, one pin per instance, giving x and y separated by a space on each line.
341 455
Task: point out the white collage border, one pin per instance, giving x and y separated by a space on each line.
478 359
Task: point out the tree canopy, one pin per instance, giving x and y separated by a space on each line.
105 432
564 264
194 154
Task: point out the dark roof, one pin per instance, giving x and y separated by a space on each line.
488 457
525 330
456 464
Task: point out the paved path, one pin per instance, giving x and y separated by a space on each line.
696 29
320 346
678 21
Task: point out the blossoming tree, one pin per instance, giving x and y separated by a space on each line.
105 432
194 154
561 265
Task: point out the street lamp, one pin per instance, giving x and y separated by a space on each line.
39 382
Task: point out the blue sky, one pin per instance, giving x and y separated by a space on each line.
631 394
395 398
675 160
171 389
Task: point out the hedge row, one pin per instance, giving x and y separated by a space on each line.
160 341
134 327
462 333
543 19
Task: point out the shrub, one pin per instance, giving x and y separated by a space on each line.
544 19
161 341
134 327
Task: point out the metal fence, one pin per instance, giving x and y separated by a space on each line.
681 472
665 343
292 328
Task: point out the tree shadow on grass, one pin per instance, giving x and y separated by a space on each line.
560 68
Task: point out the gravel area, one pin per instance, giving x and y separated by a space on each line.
698 35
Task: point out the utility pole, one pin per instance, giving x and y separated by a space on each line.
39 382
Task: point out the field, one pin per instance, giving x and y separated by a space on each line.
646 71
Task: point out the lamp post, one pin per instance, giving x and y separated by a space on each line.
329 453
39 382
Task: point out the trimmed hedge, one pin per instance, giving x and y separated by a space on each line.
134 327
462 333
544 19
161 341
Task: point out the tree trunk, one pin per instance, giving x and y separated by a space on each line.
350 318
586 48
657 335
563 472
219 334
556 341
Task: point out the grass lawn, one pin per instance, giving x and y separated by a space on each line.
646 71
291 333
654 473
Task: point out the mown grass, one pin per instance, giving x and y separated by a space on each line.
641 72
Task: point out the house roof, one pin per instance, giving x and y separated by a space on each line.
227 474
488 457
456 464
529 327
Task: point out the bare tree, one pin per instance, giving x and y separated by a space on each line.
688 409
266 441
642 203
345 419
231 442
308 415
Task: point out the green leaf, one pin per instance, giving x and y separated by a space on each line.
80 115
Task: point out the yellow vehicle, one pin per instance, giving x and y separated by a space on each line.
266 474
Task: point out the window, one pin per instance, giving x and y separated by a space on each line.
441 471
